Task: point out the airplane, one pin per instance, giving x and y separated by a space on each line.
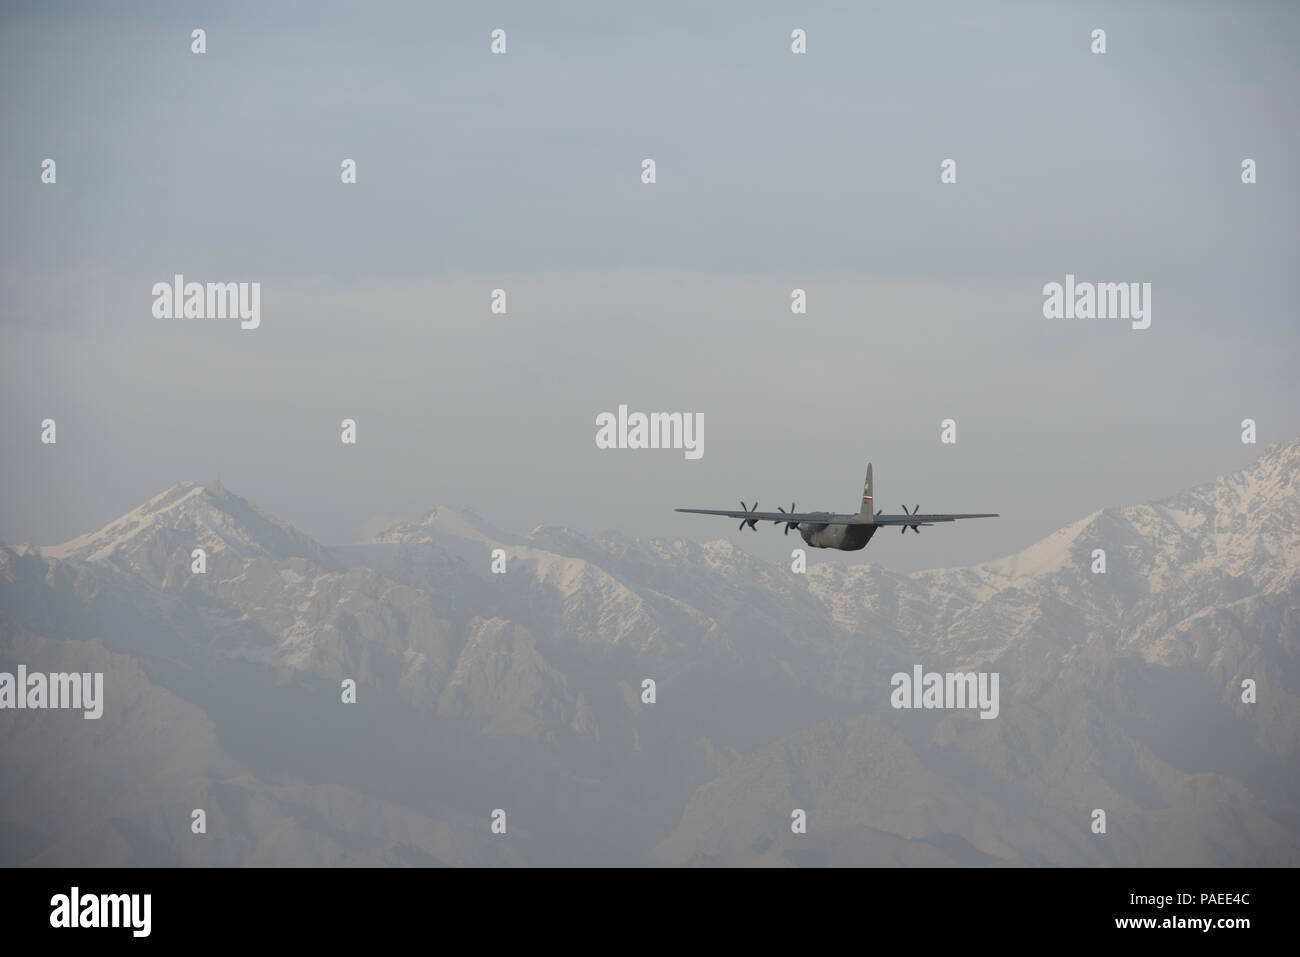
827 530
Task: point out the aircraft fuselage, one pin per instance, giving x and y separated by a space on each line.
847 538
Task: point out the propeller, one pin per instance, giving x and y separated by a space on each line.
903 530
747 521
788 525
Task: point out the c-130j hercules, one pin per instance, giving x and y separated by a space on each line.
828 530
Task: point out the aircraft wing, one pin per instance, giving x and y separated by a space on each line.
829 518
817 517
928 519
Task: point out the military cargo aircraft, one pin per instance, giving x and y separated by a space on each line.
829 530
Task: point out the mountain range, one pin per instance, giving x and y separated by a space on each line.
525 692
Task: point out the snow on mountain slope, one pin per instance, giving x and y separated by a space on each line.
1120 689
188 516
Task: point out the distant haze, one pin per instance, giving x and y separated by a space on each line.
521 172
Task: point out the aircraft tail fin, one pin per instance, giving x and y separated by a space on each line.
868 493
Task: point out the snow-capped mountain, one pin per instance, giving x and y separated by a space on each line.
188 516
1120 690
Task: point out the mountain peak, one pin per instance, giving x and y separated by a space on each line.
1245 523
191 515
442 521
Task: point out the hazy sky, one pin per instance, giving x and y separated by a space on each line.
522 171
